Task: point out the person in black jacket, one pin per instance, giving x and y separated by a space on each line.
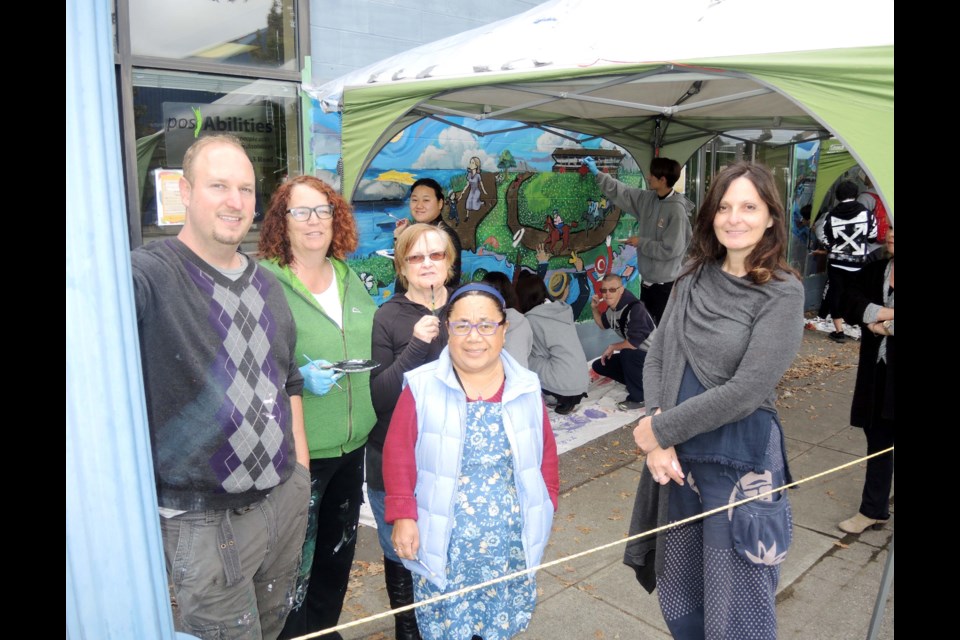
628 317
407 333
426 206
846 233
870 300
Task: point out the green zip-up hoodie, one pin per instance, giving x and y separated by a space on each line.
339 421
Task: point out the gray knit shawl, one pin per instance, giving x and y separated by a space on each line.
738 337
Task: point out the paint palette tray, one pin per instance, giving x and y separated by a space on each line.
353 366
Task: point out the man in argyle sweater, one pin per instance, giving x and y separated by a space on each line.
223 396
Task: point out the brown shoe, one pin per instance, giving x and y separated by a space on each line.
860 523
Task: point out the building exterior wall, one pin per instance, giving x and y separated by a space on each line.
347 35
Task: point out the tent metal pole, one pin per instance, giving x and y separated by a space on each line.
555 132
485 116
605 101
721 100
880 605
618 80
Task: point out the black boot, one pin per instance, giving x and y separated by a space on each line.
400 591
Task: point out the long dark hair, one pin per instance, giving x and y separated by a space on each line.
767 259
504 285
531 292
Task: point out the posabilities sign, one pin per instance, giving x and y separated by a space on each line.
184 122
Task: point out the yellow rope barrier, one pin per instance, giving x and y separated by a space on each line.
609 545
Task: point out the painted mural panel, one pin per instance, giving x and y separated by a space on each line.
517 197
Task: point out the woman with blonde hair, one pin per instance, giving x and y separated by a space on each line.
407 333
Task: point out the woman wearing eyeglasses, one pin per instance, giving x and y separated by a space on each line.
426 205
471 476
406 334
307 232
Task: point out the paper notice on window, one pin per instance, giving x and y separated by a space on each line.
170 209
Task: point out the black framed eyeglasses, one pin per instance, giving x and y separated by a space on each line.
609 290
417 258
463 328
302 214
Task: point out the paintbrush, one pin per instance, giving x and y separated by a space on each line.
319 368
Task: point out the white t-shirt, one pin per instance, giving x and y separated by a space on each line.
329 300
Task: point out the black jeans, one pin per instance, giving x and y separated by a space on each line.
562 399
625 367
875 502
336 493
654 297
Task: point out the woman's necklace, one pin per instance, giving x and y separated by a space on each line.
479 394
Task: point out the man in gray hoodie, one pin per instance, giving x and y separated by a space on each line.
663 227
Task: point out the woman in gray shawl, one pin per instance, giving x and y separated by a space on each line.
732 326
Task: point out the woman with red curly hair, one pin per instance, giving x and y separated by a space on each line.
306 235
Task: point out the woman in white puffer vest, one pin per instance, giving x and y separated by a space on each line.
471 476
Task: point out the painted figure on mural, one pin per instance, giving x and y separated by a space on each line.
452 209
474 188
557 232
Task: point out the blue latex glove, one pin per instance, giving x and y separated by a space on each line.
591 165
318 381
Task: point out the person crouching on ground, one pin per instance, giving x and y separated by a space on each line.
628 317
557 356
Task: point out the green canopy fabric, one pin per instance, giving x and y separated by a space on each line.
780 77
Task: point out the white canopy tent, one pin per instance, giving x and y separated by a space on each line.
650 77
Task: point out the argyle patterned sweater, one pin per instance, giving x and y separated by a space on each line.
219 368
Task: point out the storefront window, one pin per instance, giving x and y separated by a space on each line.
256 33
172 109
800 207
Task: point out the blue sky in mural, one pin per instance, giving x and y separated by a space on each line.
435 144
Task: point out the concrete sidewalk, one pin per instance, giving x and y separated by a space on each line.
829 581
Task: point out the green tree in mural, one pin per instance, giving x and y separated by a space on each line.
506 161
